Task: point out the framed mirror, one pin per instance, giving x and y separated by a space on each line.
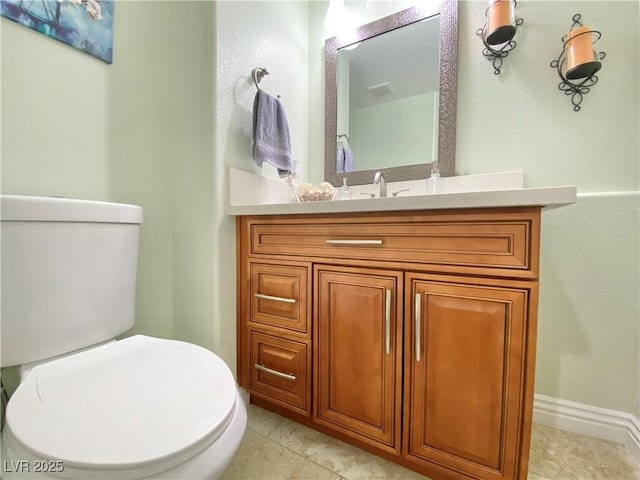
390 97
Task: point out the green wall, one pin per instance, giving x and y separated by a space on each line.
589 315
136 131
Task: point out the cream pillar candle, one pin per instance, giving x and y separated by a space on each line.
500 21
581 59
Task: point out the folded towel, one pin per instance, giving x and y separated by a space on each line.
349 162
340 159
271 140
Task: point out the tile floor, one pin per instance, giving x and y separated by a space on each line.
275 448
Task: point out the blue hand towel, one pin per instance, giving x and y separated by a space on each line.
271 140
349 162
340 159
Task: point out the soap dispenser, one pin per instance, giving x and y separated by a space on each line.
434 183
344 193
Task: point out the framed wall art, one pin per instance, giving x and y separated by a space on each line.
86 25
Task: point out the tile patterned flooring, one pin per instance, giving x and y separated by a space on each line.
275 448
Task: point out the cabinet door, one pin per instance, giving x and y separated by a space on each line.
358 347
464 375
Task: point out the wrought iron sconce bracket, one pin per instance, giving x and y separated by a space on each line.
492 53
577 89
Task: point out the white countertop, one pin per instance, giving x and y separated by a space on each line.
543 197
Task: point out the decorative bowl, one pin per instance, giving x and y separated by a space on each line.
305 192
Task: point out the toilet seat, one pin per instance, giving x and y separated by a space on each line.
140 404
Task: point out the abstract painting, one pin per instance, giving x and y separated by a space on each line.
84 24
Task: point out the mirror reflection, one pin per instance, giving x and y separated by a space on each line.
387 89
390 97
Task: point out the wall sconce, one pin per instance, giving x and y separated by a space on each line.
578 61
499 30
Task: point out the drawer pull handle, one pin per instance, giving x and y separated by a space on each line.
417 314
353 242
262 368
387 322
275 299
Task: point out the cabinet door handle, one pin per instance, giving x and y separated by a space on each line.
275 299
417 315
387 322
353 242
262 368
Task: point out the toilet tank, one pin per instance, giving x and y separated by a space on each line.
68 274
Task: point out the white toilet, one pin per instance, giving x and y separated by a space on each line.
88 406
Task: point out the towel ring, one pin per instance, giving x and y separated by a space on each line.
257 74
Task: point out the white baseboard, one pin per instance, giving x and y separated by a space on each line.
611 425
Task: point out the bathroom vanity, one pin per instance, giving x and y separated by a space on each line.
409 332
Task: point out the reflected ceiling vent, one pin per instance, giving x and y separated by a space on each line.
380 90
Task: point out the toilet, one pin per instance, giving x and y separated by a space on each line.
88 405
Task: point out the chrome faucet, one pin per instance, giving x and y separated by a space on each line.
379 179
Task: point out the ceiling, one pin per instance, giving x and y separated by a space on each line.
407 58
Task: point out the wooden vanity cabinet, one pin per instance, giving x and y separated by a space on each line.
409 334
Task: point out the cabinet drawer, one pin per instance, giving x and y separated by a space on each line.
279 296
447 241
279 371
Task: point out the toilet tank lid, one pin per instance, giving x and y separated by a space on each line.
26 208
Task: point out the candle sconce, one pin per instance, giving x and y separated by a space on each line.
578 61
498 31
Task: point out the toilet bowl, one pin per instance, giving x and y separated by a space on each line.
140 407
88 406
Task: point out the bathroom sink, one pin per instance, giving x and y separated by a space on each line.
254 195
457 184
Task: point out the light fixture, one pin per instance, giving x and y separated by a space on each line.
578 61
499 30
338 19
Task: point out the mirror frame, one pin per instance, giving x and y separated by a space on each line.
448 11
